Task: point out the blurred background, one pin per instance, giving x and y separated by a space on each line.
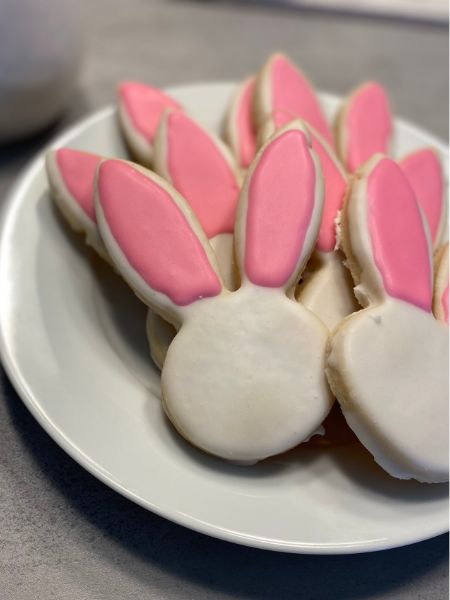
62 59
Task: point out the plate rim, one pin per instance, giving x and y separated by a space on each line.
12 369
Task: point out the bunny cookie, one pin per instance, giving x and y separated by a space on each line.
363 125
140 108
388 364
243 378
440 294
71 175
424 172
283 93
200 168
239 131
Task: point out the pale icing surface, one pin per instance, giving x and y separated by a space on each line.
145 106
243 386
327 288
154 234
400 245
246 133
441 287
160 333
281 198
77 169
293 97
367 125
198 169
444 301
335 183
393 359
424 173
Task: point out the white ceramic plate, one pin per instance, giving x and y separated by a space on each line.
73 344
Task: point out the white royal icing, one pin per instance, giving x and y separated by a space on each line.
244 377
393 360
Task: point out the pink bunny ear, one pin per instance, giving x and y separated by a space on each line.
281 206
399 240
240 132
145 106
153 238
77 172
424 173
335 185
284 93
198 166
364 127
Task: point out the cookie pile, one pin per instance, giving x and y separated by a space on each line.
284 266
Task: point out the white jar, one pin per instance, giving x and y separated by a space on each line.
39 57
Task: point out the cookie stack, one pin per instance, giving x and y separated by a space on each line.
283 267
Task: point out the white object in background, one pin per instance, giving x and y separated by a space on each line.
39 57
435 11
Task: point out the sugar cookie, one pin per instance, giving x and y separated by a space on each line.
327 288
363 125
71 174
388 364
239 130
283 93
201 169
244 376
424 172
440 292
140 108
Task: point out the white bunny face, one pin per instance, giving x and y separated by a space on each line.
243 378
388 364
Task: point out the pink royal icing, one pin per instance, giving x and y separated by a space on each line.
399 241
145 106
293 97
154 234
335 185
423 170
78 169
246 130
281 199
201 173
368 125
445 303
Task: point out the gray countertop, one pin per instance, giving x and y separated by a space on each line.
63 534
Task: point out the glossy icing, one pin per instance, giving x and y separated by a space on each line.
281 198
367 126
243 378
154 234
424 173
388 366
198 169
294 97
244 123
145 106
335 182
78 169
400 246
